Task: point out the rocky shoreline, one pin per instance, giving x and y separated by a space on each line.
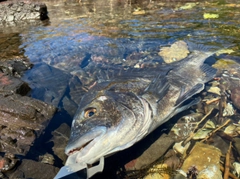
23 119
14 11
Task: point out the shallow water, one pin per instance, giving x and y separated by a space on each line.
113 32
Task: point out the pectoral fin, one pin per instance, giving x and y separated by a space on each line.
184 96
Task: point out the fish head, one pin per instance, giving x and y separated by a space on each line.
103 124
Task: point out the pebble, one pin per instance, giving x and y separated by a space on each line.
181 149
236 166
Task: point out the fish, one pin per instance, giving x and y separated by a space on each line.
123 108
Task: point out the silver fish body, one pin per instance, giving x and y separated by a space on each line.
118 112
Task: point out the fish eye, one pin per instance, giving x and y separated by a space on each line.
89 112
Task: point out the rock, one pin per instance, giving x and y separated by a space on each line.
60 139
154 152
211 172
235 97
202 156
225 64
22 119
15 66
236 144
47 158
179 176
33 169
49 84
172 160
181 149
10 85
13 10
8 162
176 52
69 105
236 166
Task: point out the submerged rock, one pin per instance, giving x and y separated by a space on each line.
22 119
154 152
33 169
176 52
60 139
235 97
211 172
202 156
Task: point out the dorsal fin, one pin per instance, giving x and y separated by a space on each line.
200 47
159 86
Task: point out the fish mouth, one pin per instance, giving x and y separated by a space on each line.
85 141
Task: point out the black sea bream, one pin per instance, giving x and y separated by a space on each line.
121 110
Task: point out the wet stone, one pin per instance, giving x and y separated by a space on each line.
8 162
202 156
22 119
60 140
49 84
10 84
33 169
154 152
235 97
176 52
12 10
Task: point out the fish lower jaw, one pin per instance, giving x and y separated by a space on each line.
73 151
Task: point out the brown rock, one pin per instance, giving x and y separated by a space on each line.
154 152
22 119
235 97
202 156
9 84
176 52
60 140
36 170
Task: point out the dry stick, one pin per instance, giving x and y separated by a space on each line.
212 101
227 162
214 131
196 127
230 174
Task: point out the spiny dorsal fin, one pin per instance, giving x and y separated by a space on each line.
200 47
159 86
